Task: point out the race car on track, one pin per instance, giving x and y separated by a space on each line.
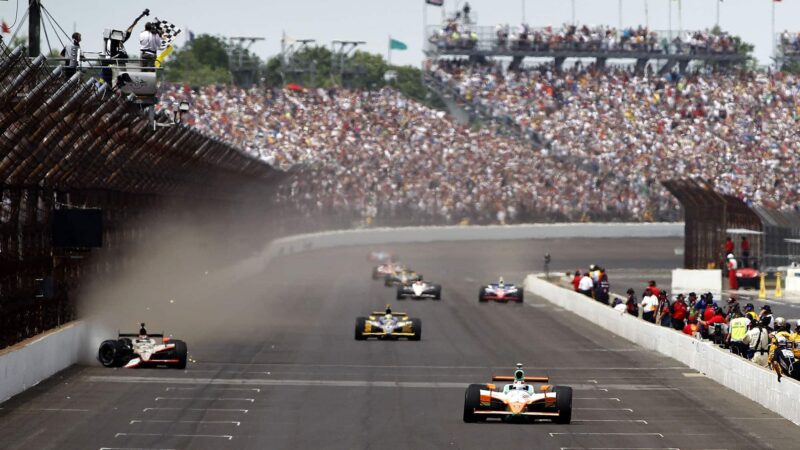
518 400
381 256
385 269
388 325
143 350
419 289
399 277
500 292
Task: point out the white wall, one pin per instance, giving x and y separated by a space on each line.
700 281
32 362
754 382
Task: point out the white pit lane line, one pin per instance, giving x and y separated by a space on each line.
192 388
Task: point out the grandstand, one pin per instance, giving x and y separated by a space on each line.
667 48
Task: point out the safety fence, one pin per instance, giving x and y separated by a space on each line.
68 143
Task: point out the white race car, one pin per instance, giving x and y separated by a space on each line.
419 289
143 350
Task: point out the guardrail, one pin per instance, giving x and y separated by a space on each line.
748 379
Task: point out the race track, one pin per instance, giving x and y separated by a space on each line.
277 367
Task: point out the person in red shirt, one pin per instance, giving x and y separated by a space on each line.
745 246
679 311
653 289
708 313
576 280
733 283
691 325
729 245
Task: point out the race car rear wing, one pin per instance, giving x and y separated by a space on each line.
527 379
381 313
137 335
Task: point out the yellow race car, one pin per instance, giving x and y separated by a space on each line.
388 325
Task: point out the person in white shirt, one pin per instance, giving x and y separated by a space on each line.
149 44
586 285
649 306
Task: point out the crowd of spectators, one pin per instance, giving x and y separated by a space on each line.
761 337
583 38
379 156
736 129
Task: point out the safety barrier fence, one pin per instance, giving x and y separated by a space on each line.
748 379
66 143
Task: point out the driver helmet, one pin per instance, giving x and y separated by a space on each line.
501 282
142 331
388 310
781 341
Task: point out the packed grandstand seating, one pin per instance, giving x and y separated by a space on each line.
382 156
735 129
583 38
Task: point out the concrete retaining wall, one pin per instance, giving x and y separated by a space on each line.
29 363
754 382
314 241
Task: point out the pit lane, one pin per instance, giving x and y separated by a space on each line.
287 373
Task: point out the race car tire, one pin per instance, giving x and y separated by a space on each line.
438 293
387 281
563 404
482 295
109 353
181 354
416 325
520 297
472 401
400 295
361 323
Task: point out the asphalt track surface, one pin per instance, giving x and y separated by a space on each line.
278 368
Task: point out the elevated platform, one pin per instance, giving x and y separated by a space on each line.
662 46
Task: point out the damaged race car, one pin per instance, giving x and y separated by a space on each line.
385 269
419 290
399 277
500 292
388 325
143 350
518 400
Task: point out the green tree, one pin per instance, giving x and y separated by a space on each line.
317 67
202 61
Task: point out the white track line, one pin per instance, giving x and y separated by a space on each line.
222 436
659 435
225 422
243 411
643 422
215 399
192 388
619 448
611 399
603 409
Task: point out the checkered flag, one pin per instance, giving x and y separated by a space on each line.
168 32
